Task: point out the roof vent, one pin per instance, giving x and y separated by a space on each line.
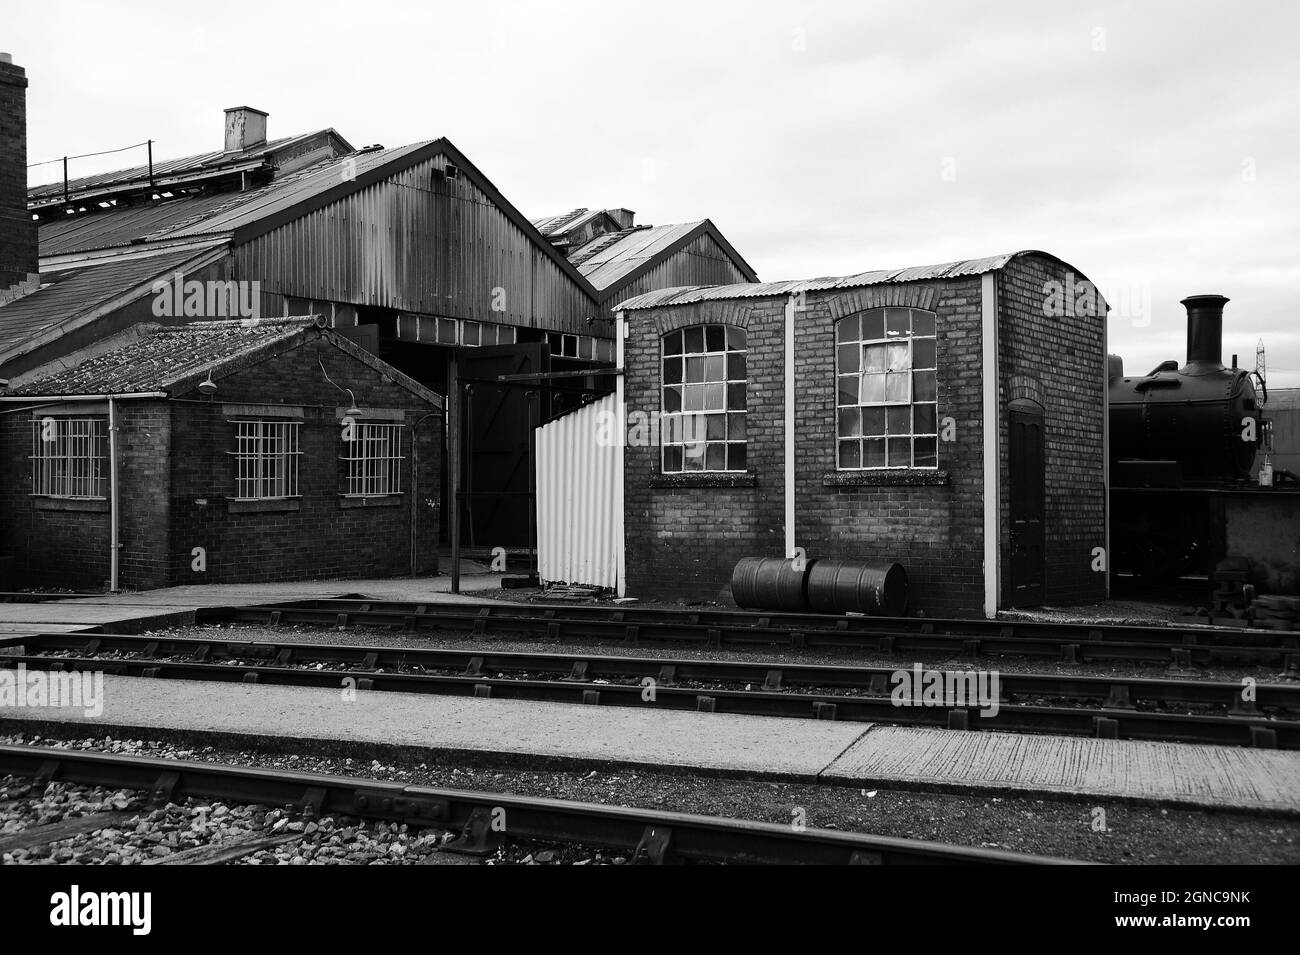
245 128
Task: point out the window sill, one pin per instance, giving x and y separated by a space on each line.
93 505
262 507
900 477
710 479
375 500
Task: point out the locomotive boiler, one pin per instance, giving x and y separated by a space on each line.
1183 443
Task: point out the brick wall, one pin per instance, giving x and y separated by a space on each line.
686 533
173 454
323 537
683 541
1057 360
17 231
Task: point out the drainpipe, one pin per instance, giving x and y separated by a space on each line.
789 426
112 497
620 493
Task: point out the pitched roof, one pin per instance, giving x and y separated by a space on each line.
205 164
173 359
66 296
703 293
618 257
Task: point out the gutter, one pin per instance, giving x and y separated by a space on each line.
48 399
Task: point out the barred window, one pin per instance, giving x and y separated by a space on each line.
374 460
70 457
702 427
266 460
887 389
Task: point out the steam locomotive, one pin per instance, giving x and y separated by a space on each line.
1181 438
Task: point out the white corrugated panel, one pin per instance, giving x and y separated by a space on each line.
576 460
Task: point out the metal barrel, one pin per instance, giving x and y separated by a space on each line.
857 586
770 583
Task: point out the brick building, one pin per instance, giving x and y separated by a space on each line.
878 446
219 452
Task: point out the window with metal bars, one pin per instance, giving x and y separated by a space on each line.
266 460
70 457
374 460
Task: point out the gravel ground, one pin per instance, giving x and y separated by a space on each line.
489 643
1064 827
152 835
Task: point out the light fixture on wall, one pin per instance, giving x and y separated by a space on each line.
353 411
207 386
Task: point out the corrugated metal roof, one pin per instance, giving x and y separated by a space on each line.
166 356
200 162
215 214
604 262
704 293
75 292
556 225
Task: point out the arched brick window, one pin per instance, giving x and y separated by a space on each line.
886 390
702 425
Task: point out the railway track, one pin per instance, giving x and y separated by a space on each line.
651 836
1176 647
1111 707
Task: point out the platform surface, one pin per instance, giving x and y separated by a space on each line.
809 750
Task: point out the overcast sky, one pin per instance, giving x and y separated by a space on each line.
1153 145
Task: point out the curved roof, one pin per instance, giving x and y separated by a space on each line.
661 298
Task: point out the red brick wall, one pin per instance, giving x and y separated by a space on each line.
323 538
17 231
683 542
685 534
174 453
1058 361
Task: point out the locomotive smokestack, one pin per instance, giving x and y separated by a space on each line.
1205 328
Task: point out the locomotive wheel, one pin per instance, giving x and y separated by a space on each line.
1158 545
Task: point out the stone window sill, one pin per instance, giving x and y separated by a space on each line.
376 500
901 477
96 505
263 507
711 479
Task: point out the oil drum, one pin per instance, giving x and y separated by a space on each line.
770 583
857 586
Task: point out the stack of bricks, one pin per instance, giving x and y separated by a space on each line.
1275 612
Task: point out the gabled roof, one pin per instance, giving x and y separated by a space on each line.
74 296
705 293
239 217
615 259
556 226
174 359
175 170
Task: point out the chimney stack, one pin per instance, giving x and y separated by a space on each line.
19 255
623 217
1205 328
245 128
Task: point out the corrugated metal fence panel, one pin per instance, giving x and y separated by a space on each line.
576 462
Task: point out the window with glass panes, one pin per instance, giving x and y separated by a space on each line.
702 427
70 457
886 389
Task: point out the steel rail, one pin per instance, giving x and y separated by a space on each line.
1119 691
1179 647
651 835
1108 721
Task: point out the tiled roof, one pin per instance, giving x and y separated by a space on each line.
163 357
703 293
67 295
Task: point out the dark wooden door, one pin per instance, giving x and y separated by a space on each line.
1027 506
